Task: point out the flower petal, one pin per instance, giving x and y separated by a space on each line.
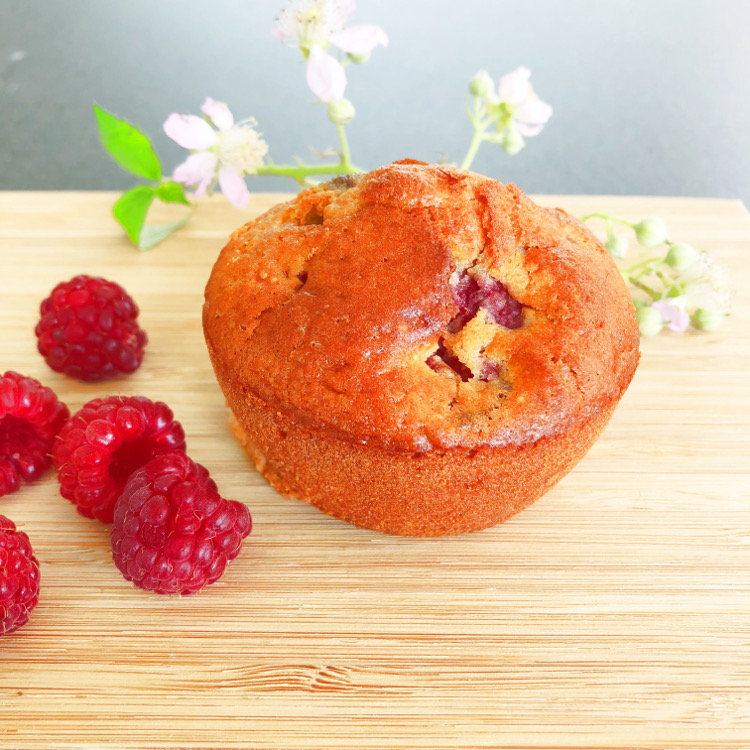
345 8
218 113
674 313
190 131
529 131
197 169
234 187
282 34
325 75
514 87
360 40
202 187
533 112
531 117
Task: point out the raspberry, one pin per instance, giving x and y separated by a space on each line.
88 330
30 418
470 293
19 577
104 443
173 533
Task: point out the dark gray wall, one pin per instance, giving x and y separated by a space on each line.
650 96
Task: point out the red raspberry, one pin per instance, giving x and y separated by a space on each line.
173 533
30 419
88 330
19 577
105 442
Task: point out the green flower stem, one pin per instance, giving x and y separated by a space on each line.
480 123
664 280
644 266
476 142
346 159
608 217
645 288
635 276
300 172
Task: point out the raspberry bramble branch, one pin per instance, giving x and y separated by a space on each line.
680 288
224 152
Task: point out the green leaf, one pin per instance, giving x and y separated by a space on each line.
153 235
130 210
126 144
172 192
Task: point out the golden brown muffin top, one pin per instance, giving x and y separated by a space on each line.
367 309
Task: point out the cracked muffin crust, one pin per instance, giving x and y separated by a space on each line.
418 350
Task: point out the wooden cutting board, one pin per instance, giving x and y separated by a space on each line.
615 612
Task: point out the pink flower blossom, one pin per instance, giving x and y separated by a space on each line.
316 25
224 153
527 112
672 310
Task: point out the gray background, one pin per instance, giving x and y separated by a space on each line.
650 96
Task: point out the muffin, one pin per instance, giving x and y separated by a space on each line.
419 350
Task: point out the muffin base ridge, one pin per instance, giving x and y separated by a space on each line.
431 494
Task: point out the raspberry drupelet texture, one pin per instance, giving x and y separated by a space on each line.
31 416
173 533
19 577
105 442
470 293
89 330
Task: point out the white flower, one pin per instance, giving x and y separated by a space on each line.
516 109
312 23
315 25
706 285
529 114
226 153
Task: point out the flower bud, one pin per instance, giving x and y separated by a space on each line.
651 231
681 256
650 321
340 111
707 319
617 245
512 141
481 84
360 58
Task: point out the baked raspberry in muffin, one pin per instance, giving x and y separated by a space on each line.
418 350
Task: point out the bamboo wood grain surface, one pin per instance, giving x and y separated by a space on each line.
614 613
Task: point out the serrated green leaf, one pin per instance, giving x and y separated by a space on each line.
172 192
153 235
130 148
130 210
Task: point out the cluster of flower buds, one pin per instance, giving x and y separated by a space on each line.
679 288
